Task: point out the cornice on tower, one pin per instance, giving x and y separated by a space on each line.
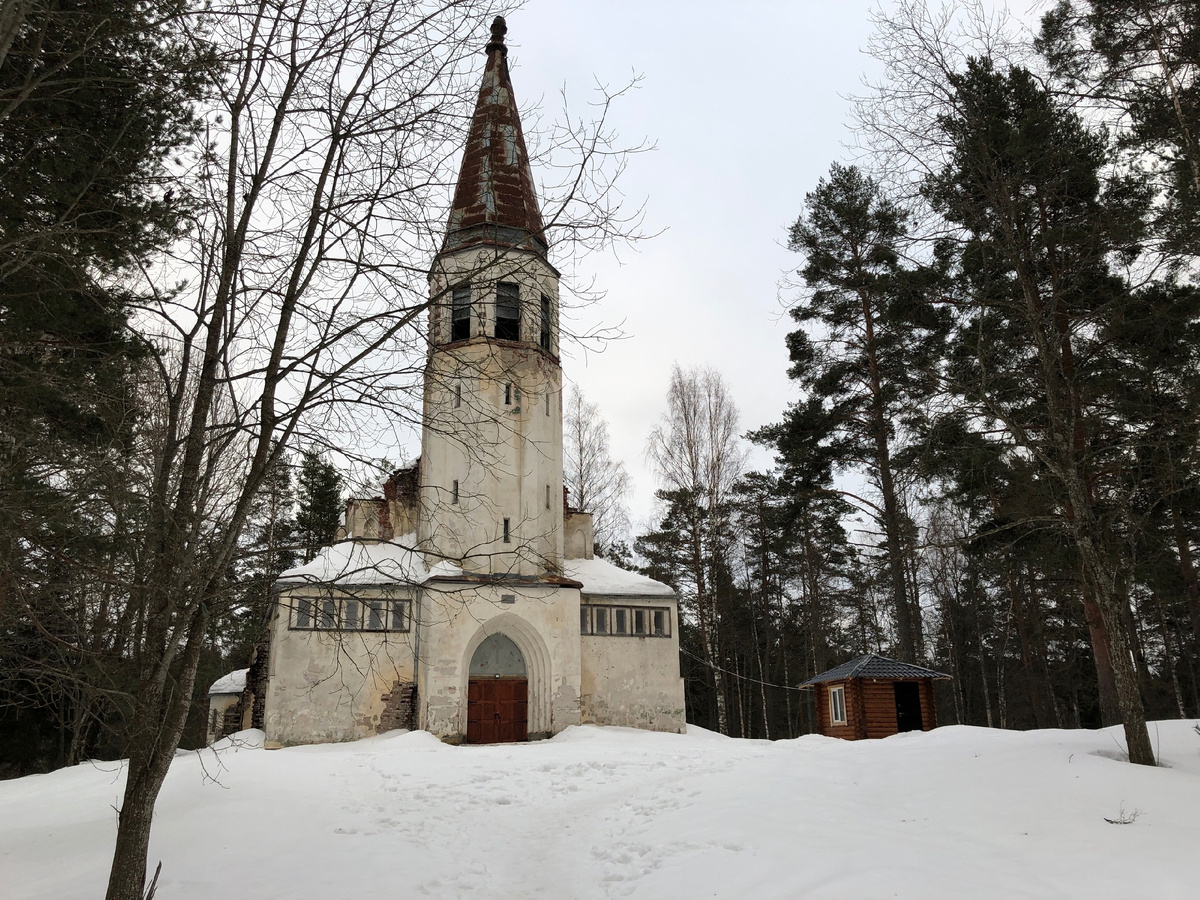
495 202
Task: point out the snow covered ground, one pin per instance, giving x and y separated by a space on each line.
957 812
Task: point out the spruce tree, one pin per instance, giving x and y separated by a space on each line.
320 504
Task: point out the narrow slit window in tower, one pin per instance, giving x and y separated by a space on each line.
457 396
545 335
547 496
507 534
454 492
547 403
508 394
460 313
508 311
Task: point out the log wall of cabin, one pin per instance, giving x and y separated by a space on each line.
854 728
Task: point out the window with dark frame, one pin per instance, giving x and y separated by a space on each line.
508 394
641 621
454 492
457 396
350 614
508 311
544 337
460 313
507 534
635 621
662 623
620 621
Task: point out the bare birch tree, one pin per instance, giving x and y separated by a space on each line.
597 483
698 457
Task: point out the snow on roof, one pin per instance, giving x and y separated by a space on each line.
365 562
233 683
599 576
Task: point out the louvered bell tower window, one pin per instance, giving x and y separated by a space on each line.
460 314
508 311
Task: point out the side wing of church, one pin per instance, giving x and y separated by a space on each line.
467 600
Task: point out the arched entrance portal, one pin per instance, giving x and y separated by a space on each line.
497 693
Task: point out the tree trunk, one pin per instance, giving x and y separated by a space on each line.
1110 709
905 631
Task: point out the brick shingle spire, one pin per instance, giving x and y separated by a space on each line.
495 202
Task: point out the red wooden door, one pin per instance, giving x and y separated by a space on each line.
497 710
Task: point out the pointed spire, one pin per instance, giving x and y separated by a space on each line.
495 201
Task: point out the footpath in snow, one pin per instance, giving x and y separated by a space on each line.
954 813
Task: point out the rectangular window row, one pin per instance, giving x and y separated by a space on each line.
349 614
508 314
636 621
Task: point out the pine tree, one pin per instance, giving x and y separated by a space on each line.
862 351
1023 183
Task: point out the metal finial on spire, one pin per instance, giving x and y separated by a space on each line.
499 30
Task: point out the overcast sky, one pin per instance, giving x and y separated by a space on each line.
746 103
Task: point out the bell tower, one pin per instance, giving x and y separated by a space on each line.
491 447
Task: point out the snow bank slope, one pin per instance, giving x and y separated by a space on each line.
958 812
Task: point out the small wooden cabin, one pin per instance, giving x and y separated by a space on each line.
873 697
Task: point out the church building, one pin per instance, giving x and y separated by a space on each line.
467 601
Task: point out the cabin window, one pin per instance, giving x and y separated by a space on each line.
454 491
600 619
376 615
507 533
641 621
304 613
544 337
350 614
837 705
399 615
585 620
460 313
508 311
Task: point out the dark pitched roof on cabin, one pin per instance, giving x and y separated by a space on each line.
495 202
872 666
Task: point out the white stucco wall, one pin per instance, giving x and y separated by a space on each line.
631 680
506 457
218 705
542 620
329 685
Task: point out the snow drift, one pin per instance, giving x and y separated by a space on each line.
957 812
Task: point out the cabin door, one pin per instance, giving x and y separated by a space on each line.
908 706
497 693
